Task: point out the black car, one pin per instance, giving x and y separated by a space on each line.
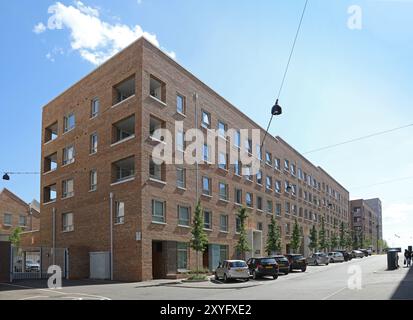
297 262
347 256
283 264
260 267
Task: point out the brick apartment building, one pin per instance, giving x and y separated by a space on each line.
97 142
14 212
366 223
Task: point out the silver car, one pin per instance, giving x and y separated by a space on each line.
358 254
232 269
335 257
318 258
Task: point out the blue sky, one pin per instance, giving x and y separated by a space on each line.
342 83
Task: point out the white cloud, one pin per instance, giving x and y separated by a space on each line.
94 39
139 1
39 28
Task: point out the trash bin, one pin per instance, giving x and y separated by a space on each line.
392 259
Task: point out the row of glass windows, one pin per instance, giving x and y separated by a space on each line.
8 220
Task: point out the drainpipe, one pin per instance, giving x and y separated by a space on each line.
54 235
196 163
111 235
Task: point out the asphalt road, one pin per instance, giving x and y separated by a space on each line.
359 279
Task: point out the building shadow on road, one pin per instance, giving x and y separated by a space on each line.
405 289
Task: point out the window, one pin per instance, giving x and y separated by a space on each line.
206 186
268 158
287 207
157 89
294 190
287 186
223 223
22 221
69 122
155 127
277 163
247 171
223 191
50 133
300 212
119 212
7 219
259 226
259 177
293 169
123 129
278 209
248 146
50 163
249 199
207 219
158 211
237 225
206 119
222 161
237 139
300 174
237 168
222 129
278 186
181 177
180 140
287 228
286 165
67 222
67 188
68 155
238 196
259 151
93 143
49 193
259 203
180 104
269 206
123 169
184 214
268 183
124 90
182 257
206 153
94 109
294 209
155 171
93 180
223 253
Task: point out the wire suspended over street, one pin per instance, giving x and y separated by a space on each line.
286 70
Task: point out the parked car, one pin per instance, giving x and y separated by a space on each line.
318 258
283 264
369 251
347 255
232 269
335 257
366 253
358 254
297 262
32 266
260 267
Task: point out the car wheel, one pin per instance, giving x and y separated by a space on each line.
316 263
225 278
286 272
216 276
303 269
275 277
327 264
331 261
246 280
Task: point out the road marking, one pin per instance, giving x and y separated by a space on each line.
334 293
34 297
56 291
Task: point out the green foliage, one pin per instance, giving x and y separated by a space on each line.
273 238
296 237
199 239
313 245
15 236
322 238
242 245
334 241
342 240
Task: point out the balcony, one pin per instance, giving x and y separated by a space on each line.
123 130
123 91
50 163
49 193
50 133
123 170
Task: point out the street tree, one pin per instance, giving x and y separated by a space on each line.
273 238
313 245
199 239
342 240
296 237
15 236
242 245
322 237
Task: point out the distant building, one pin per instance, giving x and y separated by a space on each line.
365 224
14 212
375 204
